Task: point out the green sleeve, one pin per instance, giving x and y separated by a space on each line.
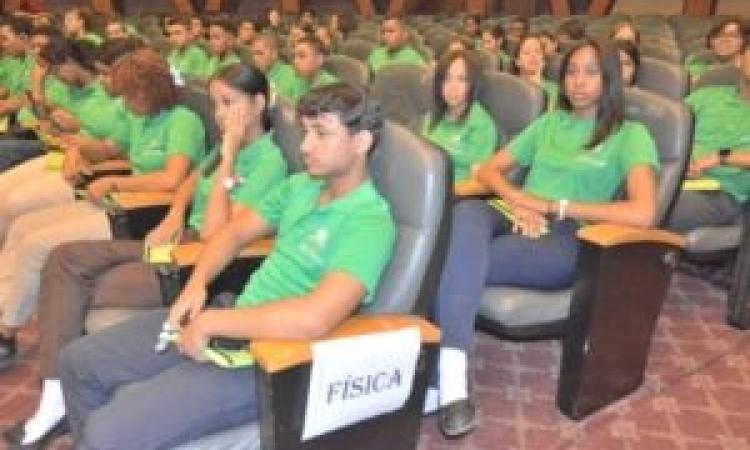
272 206
480 142
186 135
638 148
121 134
363 249
523 147
196 62
268 171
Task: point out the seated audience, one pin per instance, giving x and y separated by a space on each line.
493 42
725 41
308 70
578 158
265 56
630 61
221 54
186 56
77 25
95 274
283 299
528 64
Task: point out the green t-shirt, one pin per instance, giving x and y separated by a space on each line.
561 167
260 166
697 65
56 93
280 74
295 87
722 120
504 61
100 116
381 57
467 143
190 62
551 93
92 38
15 73
216 64
353 234
153 139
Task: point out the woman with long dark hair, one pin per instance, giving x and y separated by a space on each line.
458 123
577 158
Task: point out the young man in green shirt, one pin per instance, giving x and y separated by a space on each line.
186 57
308 70
396 48
76 26
721 152
265 56
221 38
15 65
334 236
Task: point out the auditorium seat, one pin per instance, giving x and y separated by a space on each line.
606 319
662 77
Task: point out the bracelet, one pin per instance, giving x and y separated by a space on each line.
562 208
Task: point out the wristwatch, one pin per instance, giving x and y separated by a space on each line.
229 183
724 154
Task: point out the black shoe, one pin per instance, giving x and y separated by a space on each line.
14 436
457 418
8 352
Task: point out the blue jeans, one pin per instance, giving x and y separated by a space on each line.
16 151
484 251
119 392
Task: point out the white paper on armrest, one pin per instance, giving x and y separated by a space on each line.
353 379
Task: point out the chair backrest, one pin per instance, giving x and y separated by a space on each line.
413 176
662 77
671 126
356 48
287 134
198 100
347 68
403 91
725 74
512 102
552 66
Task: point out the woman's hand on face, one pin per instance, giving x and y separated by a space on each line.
236 126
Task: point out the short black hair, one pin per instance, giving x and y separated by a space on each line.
112 50
313 42
21 26
60 51
223 23
354 105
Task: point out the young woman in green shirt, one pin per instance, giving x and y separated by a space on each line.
577 158
458 123
721 152
725 41
246 153
528 64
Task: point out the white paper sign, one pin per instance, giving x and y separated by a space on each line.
353 379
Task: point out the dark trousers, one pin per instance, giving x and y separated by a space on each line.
119 393
483 251
16 151
79 276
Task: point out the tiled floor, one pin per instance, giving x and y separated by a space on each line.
696 395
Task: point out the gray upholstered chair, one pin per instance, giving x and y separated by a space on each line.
662 77
512 102
413 177
357 48
606 319
347 68
404 93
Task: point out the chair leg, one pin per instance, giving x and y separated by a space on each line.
738 301
616 300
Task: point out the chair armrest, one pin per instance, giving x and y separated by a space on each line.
611 235
135 200
470 188
276 355
187 254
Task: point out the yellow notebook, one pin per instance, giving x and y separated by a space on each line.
701 184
